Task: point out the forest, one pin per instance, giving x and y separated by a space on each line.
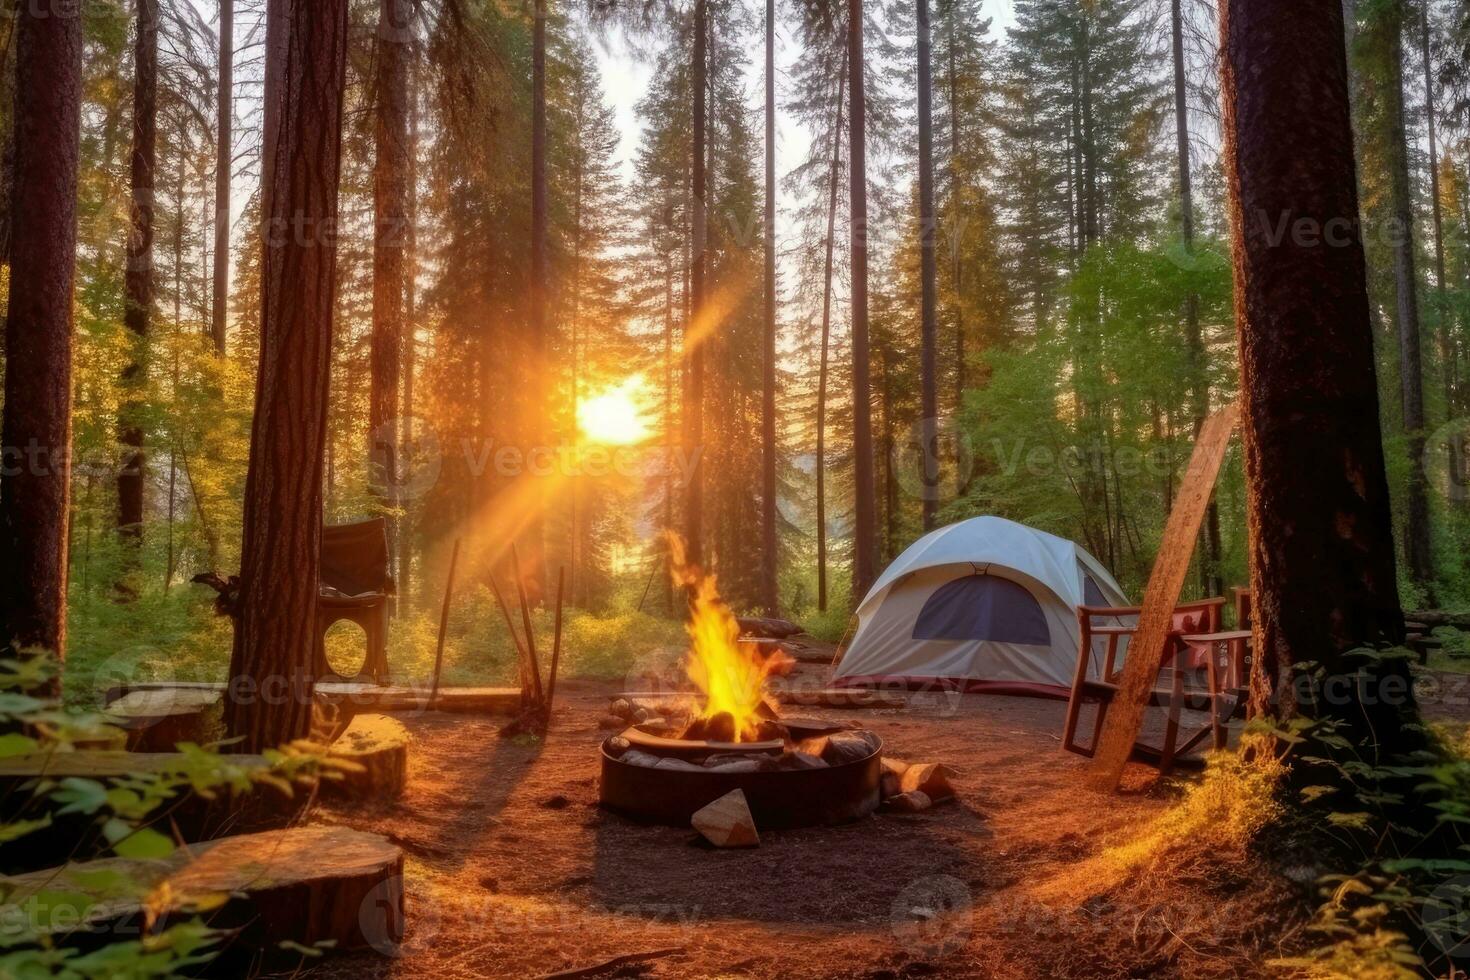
433 358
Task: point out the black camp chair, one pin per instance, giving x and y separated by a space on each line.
355 586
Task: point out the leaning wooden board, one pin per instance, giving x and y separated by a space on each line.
1125 717
308 885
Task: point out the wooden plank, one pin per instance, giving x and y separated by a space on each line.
306 885
1171 567
355 694
105 765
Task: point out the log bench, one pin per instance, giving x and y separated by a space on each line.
309 885
352 696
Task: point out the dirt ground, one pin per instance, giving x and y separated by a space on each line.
514 871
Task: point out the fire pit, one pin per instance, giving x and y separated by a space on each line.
793 772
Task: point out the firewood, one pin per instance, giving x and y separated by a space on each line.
930 778
912 802
891 781
727 822
797 759
841 747
307 885
767 628
379 745
720 727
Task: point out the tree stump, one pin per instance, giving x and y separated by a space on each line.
158 720
309 885
727 822
379 745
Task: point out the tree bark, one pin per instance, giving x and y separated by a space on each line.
1417 551
35 489
390 237
695 327
223 172
769 596
1322 555
138 311
271 665
864 531
822 369
540 386
957 269
410 339
928 285
1442 307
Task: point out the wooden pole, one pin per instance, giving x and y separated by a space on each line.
1125 716
561 581
510 627
526 620
651 576
444 623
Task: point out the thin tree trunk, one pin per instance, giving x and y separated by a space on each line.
306 49
864 532
695 327
1442 307
769 555
534 552
410 339
138 311
957 269
390 234
35 498
928 282
1322 567
822 370
1417 550
224 158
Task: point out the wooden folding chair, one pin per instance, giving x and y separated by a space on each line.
1220 698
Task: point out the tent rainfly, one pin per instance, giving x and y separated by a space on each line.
983 605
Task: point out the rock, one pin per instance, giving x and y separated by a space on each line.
654 722
677 764
617 745
734 764
641 714
609 722
621 707
797 759
912 802
891 781
636 757
930 778
844 747
557 802
727 822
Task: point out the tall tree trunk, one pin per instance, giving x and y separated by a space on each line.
1194 341
306 59
928 285
390 235
410 337
1442 308
957 269
35 497
138 311
822 369
769 556
695 327
223 173
864 530
1322 555
1417 551
534 553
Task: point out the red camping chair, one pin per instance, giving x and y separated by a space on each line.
1180 662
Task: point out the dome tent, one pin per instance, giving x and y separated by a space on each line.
983 605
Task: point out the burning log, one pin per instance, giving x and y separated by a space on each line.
768 629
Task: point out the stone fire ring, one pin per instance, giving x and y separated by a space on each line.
778 800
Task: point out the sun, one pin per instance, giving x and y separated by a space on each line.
615 416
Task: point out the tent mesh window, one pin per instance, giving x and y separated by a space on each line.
983 607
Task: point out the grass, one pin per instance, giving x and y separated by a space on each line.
175 636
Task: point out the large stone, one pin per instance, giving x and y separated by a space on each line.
912 802
727 822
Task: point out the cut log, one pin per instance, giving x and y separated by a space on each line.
930 778
765 628
308 886
379 745
727 822
157 721
912 802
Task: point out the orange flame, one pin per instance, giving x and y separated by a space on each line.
730 675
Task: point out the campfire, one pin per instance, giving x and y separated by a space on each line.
680 755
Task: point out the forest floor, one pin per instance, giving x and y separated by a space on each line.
514 871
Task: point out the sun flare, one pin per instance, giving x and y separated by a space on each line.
615 416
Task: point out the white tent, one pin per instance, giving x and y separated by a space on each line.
986 604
